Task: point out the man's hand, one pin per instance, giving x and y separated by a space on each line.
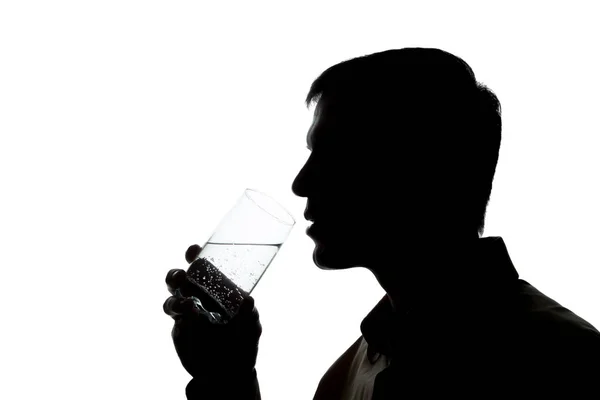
210 351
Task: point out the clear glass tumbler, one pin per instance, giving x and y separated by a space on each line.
239 251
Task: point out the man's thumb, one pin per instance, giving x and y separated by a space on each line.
192 253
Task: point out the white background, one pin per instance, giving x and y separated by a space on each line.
128 128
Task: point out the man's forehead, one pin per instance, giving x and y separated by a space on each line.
322 109
309 135
316 122
324 104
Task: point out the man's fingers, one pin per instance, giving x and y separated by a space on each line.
192 288
176 278
183 309
173 307
177 307
192 253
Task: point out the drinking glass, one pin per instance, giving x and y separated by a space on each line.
237 254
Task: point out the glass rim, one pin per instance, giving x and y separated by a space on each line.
293 220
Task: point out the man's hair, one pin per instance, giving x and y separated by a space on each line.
430 101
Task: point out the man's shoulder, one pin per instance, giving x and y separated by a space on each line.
547 320
543 339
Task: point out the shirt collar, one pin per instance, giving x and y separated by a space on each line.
485 271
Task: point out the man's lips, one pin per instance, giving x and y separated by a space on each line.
309 214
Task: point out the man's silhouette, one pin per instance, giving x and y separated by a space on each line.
404 146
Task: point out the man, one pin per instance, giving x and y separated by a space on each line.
404 146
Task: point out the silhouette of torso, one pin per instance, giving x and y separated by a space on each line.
493 335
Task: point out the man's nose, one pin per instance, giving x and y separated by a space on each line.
300 186
297 185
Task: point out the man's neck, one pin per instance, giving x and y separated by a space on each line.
424 269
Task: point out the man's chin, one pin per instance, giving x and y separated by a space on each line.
328 259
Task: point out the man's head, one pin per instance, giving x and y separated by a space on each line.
404 143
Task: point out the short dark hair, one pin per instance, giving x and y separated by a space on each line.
434 94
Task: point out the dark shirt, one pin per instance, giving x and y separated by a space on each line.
480 333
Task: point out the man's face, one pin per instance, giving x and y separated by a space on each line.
372 195
339 184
